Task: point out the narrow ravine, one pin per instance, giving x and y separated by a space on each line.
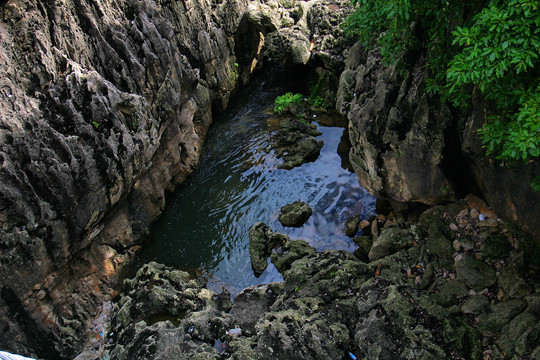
237 183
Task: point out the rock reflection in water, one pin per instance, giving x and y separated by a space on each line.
206 222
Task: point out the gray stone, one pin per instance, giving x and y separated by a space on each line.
536 353
513 283
290 251
520 335
162 313
295 214
261 242
390 241
475 305
475 273
364 245
533 302
252 303
351 225
500 314
450 292
295 143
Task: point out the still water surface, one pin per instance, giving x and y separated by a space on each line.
206 221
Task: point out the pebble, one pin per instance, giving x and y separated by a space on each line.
474 214
453 227
456 245
364 224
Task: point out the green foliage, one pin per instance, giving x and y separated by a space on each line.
492 46
500 56
283 101
96 124
535 184
318 101
316 91
399 26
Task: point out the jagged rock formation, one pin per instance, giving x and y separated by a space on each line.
442 288
104 106
396 129
99 119
407 146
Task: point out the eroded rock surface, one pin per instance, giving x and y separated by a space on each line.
396 129
411 301
104 107
295 214
408 146
295 143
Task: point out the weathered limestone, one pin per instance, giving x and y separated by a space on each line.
397 136
103 107
408 147
295 214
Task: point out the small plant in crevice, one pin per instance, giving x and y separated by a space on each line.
282 102
535 184
319 102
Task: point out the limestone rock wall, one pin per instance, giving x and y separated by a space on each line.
104 105
396 129
407 146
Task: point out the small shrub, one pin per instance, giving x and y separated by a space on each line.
319 102
283 101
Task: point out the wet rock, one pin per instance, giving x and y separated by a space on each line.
390 241
351 225
513 283
499 315
295 214
295 143
283 257
475 273
475 305
261 242
450 292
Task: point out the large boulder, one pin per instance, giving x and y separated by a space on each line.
295 143
261 242
295 214
162 312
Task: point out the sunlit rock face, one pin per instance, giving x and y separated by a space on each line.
104 106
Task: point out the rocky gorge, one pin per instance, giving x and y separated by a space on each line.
105 106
